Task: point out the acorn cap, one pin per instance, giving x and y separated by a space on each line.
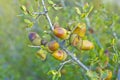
80 29
41 54
79 44
74 39
36 42
33 35
65 56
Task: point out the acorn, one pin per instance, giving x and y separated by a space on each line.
80 29
59 55
53 46
109 76
75 39
85 45
41 54
61 33
34 38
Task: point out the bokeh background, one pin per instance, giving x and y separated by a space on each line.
18 61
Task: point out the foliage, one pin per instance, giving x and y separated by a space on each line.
19 62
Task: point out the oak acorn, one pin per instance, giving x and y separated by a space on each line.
59 55
53 45
61 33
85 45
34 38
80 29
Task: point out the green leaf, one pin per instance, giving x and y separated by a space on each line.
104 74
78 10
83 15
57 7
115 58
23 8
56 19
86 5
53 72
50 2
92 75
91 8
113 41
28 22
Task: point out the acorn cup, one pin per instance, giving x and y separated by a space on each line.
85 45
80 29
75 39
41 54
59 55
52 46
34 38
61 33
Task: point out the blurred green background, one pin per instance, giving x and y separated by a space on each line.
18 61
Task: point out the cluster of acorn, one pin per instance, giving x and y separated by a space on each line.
77 35
53 46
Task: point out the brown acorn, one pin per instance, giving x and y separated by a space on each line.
53 45
59 55
80 29
61 33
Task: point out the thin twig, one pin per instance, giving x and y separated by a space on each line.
62 64
76 59
33 46
48 18
39 13
69 53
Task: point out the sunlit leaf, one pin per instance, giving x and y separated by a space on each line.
92 75
86 5
28 22
23 8
56 18
50 2
78 10
57 7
